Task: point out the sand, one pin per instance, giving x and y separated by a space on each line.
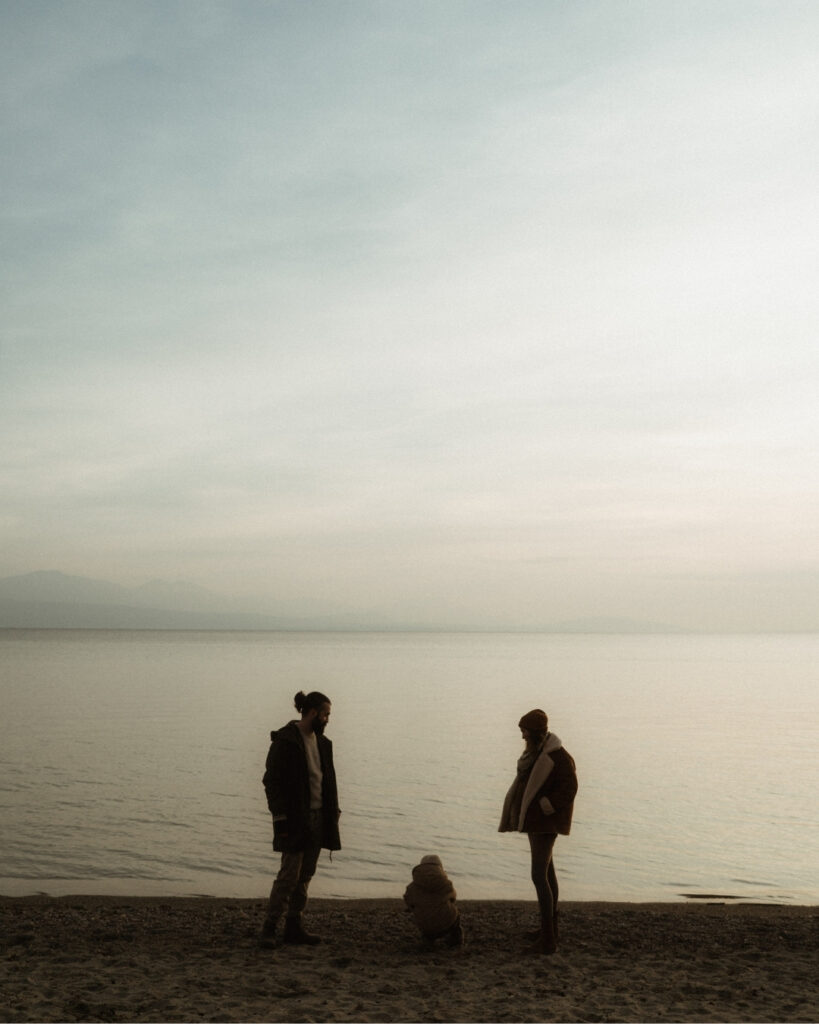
189 959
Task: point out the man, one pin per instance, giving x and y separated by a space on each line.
540 802
300 784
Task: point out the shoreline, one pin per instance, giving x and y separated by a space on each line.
186 958
326 903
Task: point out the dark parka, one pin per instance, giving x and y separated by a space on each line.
287 786
431 898
543 799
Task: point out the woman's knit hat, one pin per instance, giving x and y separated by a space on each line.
535 721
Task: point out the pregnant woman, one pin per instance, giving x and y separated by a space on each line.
540 803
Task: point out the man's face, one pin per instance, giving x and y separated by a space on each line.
321 719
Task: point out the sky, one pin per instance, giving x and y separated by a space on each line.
469 314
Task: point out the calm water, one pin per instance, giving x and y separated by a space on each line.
132 761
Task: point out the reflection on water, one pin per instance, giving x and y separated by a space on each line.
132 761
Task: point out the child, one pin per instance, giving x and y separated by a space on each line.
431 898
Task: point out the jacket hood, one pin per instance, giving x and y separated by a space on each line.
292 734
430 877
289 731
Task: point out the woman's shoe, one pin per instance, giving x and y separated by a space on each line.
534 934
541 947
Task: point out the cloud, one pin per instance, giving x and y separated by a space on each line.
413 298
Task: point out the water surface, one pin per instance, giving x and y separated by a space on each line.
132 761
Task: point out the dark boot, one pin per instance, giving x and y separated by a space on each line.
267 936
534 933
541 947
295 934
545 943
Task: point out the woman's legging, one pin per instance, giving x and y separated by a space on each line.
543 871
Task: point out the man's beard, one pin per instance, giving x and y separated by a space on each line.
318 727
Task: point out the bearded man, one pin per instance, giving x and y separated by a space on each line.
300 784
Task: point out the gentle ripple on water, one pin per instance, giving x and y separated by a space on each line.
132 762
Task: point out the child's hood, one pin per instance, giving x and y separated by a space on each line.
430 876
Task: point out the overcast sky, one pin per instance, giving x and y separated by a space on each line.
446 312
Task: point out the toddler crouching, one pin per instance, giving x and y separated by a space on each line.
431 898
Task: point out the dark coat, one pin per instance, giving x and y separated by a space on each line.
287 786
431 898
543 801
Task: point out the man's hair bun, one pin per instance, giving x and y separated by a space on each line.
305 702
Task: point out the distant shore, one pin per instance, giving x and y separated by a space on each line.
102 958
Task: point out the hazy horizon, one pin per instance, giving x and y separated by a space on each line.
500 314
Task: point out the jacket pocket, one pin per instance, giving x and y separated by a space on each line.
545 805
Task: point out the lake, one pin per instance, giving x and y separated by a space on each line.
132 761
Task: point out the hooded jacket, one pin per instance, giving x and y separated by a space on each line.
543 800
431 898
287 787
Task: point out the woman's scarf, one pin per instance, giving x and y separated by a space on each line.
528 758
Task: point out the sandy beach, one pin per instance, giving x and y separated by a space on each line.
197 959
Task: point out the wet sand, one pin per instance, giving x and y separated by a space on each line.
85 958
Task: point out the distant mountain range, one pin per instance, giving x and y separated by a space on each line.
54 600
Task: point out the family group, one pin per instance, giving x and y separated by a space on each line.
302 795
